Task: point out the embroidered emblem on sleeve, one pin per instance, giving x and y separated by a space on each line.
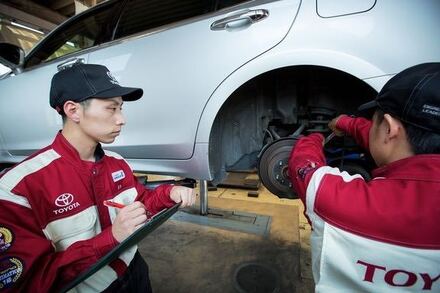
11 269
303 171
6 238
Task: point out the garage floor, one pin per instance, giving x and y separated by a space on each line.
246 244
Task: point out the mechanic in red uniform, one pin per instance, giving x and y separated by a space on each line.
382 235
53 222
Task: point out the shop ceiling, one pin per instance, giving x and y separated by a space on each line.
43 15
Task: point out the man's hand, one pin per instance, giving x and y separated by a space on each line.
332 126
128 220
184 195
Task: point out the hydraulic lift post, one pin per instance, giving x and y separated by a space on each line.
203 197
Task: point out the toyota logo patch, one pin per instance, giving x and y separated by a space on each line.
64 200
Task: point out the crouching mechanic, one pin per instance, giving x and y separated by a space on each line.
382 235
53 220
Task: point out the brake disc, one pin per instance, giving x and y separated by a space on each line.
273 167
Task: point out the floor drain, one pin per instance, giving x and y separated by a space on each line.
256 278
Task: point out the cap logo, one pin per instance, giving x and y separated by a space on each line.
433 110
112 78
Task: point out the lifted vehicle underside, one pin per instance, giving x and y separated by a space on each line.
260 122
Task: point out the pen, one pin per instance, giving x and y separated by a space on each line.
113 204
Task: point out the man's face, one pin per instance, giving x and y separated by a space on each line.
102 119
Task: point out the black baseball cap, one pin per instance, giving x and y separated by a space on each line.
83 81
413 96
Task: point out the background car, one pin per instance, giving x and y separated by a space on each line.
223 80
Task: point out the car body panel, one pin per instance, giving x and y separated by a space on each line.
327 8
388 36
26 112
365 59
177 86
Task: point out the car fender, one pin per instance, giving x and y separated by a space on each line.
352 65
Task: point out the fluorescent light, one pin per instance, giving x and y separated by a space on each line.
70 44
26 27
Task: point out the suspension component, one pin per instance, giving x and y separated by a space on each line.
319 119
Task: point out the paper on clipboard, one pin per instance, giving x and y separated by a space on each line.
130 241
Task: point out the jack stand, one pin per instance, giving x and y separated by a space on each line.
203 197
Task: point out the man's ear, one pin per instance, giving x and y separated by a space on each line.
393 126
71 110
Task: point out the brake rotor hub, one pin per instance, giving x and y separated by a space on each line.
273 167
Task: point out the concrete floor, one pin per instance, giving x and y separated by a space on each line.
188 257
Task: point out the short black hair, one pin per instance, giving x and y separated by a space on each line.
422 141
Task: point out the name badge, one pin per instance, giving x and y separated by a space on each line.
118 175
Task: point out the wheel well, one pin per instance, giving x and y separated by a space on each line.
279 99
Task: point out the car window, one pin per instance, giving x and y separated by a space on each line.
226 3
83 32
142 15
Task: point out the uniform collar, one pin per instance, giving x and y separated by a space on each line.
415 167
65 149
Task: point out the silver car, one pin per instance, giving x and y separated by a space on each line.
228 85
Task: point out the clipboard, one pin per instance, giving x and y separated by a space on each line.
130 241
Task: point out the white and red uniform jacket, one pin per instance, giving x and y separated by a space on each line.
376 236
53 224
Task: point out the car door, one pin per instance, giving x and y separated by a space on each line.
179 51
27 122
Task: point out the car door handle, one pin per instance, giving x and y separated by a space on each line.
70 62
244 19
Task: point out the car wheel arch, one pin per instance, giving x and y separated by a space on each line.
352 65
230 86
